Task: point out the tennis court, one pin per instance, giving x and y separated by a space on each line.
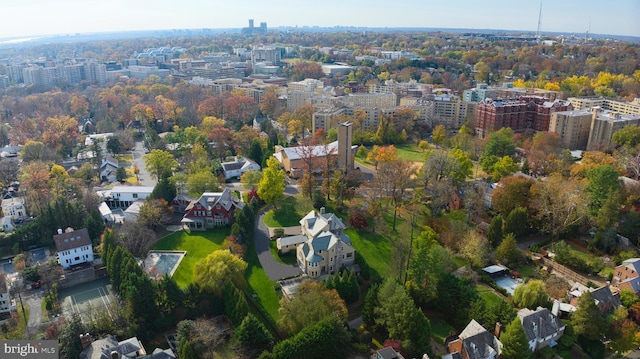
88 300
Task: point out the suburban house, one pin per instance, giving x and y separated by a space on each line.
124 196
541 327
326 248
475 342
6 224
14 208
625 276
237 167
603 297
5 301
108 347
181 202
388 353
108 169
212 209
74 247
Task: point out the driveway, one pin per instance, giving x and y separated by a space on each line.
274 269
34 301
138 159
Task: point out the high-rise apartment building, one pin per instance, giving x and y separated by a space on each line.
492 115
586 103
572 127
604 124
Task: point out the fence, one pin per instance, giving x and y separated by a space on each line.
570 274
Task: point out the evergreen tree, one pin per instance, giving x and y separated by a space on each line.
516 222
235 304
508 251
370 303
588 320
252 336
255 152
514 341
69 337
494 234
164 189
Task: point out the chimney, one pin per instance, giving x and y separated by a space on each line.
322 210
68 230
498 330
85 340
59 230
114 355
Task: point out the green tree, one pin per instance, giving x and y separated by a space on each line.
494 234
628 298
603 182
629 136
271 186
114 145
202 181
217 269
68 337
121 174
398 314
160 163
252 336
328 338
508 251
531 295
624 334
516 222
514 341
500 143
251 178
255 152
164 189
439 135
312 302
503 167
588 320
454 298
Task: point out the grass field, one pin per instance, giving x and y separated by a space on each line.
487 294
375 249
527 272
260 284
290 211
197 245
440 329
410 152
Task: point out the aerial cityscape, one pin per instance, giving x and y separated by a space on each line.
349 180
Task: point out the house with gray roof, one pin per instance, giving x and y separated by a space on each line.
321 247
474 342
542 327
238 166
606 300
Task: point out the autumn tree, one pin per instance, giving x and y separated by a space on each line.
559 204
34 177
515 344
312 302
512 192
218 269
136 238
272 185
395 178
160 163
61 133
154 213
475 248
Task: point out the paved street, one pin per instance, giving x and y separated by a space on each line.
273 268
138 159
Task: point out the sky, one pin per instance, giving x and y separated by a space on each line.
25 18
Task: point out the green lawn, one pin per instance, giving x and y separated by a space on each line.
197 245
266 295
440 329
528 272
288 258
375 249
410 152
487 294
290 211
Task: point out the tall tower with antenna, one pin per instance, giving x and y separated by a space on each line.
539 22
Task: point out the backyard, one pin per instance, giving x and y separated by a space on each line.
289 212
375 249
197 245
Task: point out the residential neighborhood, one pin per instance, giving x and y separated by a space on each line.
331 192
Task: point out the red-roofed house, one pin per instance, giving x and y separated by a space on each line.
212 209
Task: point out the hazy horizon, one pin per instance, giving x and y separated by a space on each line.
31 18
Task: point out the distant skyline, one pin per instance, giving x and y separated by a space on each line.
27 18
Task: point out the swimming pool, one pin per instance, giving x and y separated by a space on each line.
159 263
508 283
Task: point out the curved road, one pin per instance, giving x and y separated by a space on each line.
275 270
